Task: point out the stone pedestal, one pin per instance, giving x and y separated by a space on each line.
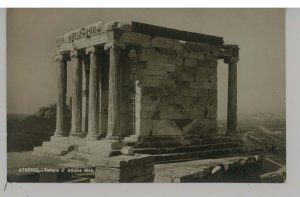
127 169
102 148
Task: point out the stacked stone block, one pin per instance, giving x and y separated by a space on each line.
178 88
125 169
231 169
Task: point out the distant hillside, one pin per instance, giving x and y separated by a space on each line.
17 116
27 131
264 116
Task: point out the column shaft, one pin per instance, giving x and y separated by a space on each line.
85 95
61 96
114 94
93 121
232 95
76 129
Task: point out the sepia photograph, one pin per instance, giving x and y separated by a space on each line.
146 95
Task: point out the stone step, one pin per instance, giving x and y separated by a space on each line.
58 145
84 158
182 149
216 151
50 151
78 180
175 157
226 169
171 143
101 148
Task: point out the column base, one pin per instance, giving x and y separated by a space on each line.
76 135
59 134
85 133
112 139
92 137
232 132
132 138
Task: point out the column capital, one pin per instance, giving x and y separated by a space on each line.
112 45
76 53
231 60
234 60
61 57
90 50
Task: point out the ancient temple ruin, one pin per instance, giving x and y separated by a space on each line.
139 84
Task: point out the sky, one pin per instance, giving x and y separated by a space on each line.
260 34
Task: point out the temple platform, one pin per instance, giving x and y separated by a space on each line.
26 167
161 149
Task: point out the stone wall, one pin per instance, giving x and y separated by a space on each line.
125 169
176 89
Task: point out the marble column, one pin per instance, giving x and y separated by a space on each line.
61 96
76 128
85 94
113 132
93 121
232 94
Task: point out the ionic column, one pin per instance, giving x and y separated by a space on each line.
76 129
61 96
85 94
232 94
114 90
93 121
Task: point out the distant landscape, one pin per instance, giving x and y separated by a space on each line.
25 131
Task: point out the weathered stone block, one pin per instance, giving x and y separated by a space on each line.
126 174
165 127
178 61
58 145
136 38
145 114
174 115
167 99
153 90
123 161
150 103
149 178
202 93
146 126
154 74
196 55
186 92
179 99
277 176
127 150
166 43
189 62
161 67
147 54
100 147
201 76
188 77
158 82
124 124
212 92
198 85
196 47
